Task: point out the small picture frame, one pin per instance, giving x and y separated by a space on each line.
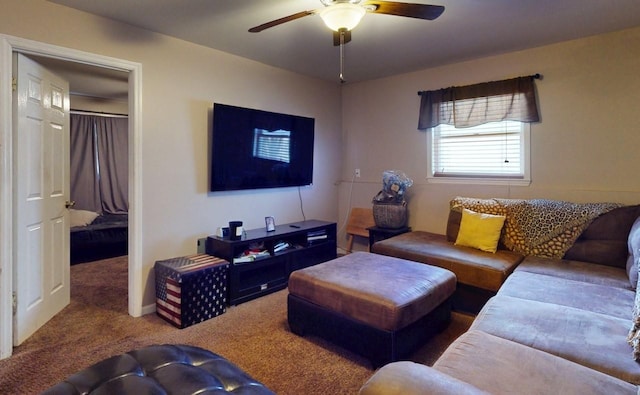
270 223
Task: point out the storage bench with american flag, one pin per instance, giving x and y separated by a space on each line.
191 289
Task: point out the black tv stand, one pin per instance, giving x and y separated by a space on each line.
272 256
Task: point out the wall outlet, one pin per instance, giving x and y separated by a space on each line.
357 173
202 246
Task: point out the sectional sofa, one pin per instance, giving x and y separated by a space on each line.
560 308
601 239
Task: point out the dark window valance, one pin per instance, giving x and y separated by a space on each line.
472 105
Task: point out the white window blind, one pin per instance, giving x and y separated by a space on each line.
490 150
272 145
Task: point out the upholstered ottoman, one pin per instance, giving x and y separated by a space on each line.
161 369
377 306
191 289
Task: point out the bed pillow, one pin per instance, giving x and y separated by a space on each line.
82 217
479 230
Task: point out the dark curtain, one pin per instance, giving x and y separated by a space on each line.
99 163
472 105
84 181
113 161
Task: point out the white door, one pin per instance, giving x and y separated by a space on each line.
41 189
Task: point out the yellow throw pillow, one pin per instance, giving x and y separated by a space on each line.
481 231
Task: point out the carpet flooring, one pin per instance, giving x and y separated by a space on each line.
254 335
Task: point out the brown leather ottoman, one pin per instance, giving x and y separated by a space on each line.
377 306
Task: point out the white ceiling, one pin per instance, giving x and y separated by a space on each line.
95 82
382 45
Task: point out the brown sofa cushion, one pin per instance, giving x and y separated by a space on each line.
602 299
590 339
576 270
453 225
500 366
605 239
472 267
410 378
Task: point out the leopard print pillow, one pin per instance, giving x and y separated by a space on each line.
485 206
548 228
540 227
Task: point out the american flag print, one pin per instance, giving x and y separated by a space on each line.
191 289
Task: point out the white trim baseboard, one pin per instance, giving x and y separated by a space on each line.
149 309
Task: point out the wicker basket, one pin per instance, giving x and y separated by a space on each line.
390 215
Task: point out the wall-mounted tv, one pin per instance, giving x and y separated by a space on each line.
253 149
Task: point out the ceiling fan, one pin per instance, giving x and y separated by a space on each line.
346 14
342 16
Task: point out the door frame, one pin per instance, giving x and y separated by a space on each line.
9 45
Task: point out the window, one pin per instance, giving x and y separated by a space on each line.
272 145
480 133
494 152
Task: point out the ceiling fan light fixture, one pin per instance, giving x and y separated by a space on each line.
342 16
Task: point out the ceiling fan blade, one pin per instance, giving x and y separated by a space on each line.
420 11
280 21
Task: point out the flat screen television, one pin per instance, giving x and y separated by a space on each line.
253 149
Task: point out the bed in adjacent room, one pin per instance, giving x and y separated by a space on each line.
98 186
97 236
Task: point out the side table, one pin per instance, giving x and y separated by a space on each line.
376 233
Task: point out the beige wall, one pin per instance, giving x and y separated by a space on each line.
92 104
584 149
180 81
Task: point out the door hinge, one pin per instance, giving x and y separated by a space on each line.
14 84
14 303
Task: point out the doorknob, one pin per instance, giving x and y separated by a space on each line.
69 204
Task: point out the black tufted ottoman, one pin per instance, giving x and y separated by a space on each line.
161 369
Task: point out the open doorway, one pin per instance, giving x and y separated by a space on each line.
69 58
98 174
